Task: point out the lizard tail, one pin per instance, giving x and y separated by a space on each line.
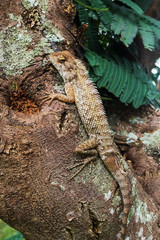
122 179
125 191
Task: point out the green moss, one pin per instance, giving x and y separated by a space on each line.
150 238
140 210
16 18
57 184
125 164
116 200
151 139
51 32
30 3
137 120
43 4
131 137
62 188
134 192
142 213
106 185
15 54
131 213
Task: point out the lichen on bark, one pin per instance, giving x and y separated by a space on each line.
37 143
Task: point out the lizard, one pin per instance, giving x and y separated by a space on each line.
80 90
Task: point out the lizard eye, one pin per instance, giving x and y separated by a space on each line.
61 58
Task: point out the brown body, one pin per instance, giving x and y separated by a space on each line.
80 89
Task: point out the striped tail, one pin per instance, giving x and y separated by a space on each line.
125 191
113 164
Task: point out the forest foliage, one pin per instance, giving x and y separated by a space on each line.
8 233
112 51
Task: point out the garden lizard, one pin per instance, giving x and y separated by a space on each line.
81 90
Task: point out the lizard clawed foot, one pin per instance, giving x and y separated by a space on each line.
48 97
68 98
88 147
82 163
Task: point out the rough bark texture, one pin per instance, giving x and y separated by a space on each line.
37 146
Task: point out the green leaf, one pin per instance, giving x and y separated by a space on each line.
124 25
118 22
89 7
132 5
92 39
130 84
107 75
17 236
125 79
83 14
138 101
122 21
122 78
122 83
147 35
113 84
106 17
143 4
129 31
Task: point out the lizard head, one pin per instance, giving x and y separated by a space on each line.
64 62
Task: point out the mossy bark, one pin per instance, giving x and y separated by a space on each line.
37 142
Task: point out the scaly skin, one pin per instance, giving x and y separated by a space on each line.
80 89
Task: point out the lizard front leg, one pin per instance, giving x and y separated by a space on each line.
86 148
68 98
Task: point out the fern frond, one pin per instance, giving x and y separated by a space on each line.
115 77
143 4
132 5
147 35
118 22
129 31
122 82
123 21
152 21
106 17
92 8
155 25
140 95
92 41
83 14
128 90
127 28
124 79
107 74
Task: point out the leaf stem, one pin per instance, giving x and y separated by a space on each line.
92 8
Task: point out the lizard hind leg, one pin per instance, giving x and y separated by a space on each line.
85 148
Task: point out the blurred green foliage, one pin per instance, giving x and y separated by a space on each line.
8 233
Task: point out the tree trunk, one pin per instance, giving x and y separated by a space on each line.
37 142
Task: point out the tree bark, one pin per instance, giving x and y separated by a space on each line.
37 142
